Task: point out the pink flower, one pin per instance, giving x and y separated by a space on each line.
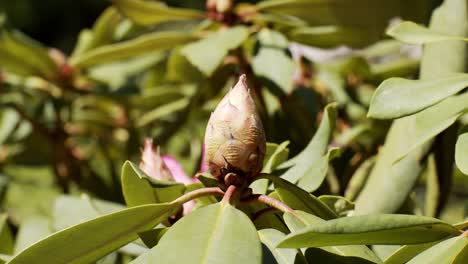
166 167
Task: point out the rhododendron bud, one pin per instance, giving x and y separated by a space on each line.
152 163
235 139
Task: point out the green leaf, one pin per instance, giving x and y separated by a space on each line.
32 230
339 204
152 237
330 36
275 155
433 120
274 65
131 48
461 153
70 210
299 199
139 189
162 111
150 12
6 237
208 53
398 97
370 229
311 165
365 14
405 253
359 178
450 251
89 241
272 38
25 56
270 238
360 251
412 33
223 235
390 184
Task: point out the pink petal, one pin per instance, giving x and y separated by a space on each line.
176 169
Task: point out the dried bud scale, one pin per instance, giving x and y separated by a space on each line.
235 139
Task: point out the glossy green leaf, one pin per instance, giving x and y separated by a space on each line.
461 153
213 234
398 97
359 251
370 229
6 237
89 241
275 155
450 251
131 48
207 54
270 238
24 56
433 120
330 36
412 33
139 189
151 12
390 183
274 65
310 166
299 199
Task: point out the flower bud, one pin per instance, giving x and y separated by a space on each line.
235 138
152 163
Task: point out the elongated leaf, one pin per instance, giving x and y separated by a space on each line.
433 120
6 237
162 111
461 153
32 230
412 33
330 36
24 56
139 189
311 165
371 229
89 241
152 12
361 14
398 97
389 184
270 238
131 48
275 155
299 199
450 251
217 233
208 53
405 253
70 210
274 65
360 251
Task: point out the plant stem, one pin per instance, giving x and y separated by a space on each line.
198 193
228 195
272 202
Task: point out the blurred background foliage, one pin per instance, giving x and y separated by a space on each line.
93 79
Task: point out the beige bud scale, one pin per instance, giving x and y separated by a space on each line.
235 138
